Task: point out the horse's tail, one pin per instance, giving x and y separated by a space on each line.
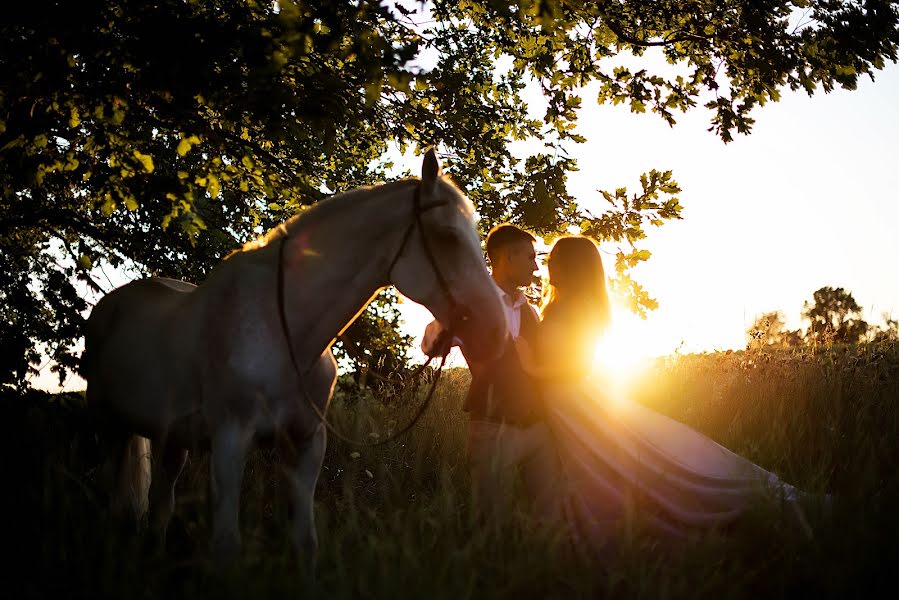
131 496
127 469
139 475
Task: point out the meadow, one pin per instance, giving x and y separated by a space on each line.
396 521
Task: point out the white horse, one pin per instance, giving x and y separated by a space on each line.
234 360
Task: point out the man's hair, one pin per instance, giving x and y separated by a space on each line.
503 236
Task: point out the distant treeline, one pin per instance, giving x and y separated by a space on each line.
833 317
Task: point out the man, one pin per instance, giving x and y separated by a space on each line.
506 434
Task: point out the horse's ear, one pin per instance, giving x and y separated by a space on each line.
430 171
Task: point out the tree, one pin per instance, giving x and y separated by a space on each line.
385 347
888 333
156 137
834 316
769 330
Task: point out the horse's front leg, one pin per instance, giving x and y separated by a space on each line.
229 451
302 456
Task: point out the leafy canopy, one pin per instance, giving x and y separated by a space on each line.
156 137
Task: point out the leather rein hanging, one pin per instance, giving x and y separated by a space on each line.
455 312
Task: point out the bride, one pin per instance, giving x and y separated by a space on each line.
621 460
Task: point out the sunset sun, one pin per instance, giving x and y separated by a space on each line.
623 352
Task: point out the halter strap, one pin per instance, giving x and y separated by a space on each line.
418 211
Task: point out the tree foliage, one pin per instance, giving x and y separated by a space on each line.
887 333
384 347
729 55
155 137
834 316
770 331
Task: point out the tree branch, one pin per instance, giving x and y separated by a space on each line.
621 35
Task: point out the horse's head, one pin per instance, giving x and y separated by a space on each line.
441 266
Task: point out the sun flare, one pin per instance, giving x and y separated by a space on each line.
622 354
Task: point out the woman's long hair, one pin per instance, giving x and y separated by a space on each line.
576 294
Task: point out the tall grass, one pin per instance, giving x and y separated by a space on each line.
397 521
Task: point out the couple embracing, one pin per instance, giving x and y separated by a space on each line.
535 413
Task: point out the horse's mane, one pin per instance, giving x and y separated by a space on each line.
316 211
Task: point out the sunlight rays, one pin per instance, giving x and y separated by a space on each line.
620 357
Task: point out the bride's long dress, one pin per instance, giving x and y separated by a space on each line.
621 460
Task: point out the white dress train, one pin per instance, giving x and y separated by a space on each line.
620 459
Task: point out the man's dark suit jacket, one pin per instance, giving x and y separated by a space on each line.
500 389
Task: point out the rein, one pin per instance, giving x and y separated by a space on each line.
454 311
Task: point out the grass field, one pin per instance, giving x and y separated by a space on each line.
396 521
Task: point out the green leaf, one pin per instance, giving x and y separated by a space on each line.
108 206
183 147
213 186
145 159
186 144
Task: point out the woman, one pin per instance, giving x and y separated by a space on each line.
621 459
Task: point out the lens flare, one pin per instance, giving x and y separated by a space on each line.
619 359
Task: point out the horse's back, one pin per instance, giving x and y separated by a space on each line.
155 296
174 284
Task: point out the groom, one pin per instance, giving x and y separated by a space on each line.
506 434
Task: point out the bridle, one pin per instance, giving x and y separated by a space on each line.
458 314
418 210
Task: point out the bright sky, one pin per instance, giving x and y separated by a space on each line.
809 199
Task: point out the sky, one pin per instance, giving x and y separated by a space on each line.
809 199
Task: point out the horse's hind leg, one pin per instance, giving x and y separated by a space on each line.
229 450
168 461
302 462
